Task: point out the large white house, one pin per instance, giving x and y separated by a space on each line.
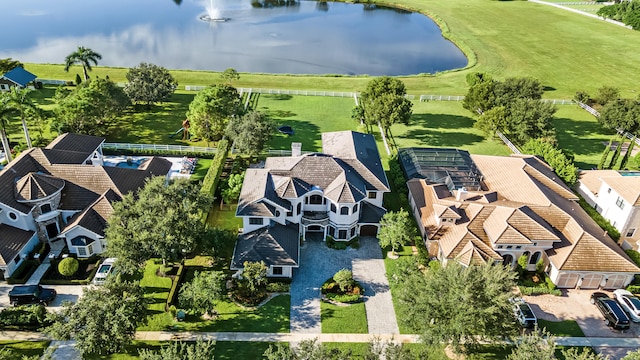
63 193
337 193
616 196
476 209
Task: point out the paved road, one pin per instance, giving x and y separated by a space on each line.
317 264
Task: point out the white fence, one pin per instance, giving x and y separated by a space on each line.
159 147
52 82
595 113
509 144
441 98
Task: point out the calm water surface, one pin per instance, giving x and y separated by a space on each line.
304 38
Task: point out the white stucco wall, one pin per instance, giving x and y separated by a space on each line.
588 196
287 272
606 206
99 246
12 265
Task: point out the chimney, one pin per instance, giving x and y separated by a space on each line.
462 194
296 149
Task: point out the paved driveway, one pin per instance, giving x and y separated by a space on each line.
65 293
575 305
318 263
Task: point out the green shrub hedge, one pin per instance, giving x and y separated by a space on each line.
344 298
23 272
276 286
212 178
527 290
173 293
634 255
634 289
27 317
604 223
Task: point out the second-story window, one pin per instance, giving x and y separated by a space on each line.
355 208
620 203
45 208
344 210
333 208
315 200
255 221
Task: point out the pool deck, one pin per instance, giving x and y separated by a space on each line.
174 173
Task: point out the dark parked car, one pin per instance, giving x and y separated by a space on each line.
613 314
31 294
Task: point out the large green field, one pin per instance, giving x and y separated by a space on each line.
566 51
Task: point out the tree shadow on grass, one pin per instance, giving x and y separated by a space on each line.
441 121
305 132
572 135
441 139
278 96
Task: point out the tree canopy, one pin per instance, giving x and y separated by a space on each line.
161 220
9 64
250 132
84 57
104 319
212 108
560 161
20 100
621 114
178 350
200 294
383 102
472 304
396 229
229 75
149 83
92 108
233 187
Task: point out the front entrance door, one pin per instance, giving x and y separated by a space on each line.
52 230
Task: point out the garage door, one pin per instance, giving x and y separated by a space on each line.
591 281
615 282
568 281
369 230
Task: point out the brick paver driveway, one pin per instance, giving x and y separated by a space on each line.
318 263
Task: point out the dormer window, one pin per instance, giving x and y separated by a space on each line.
372 194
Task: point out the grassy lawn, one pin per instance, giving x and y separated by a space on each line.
271 317
157 290
561 328
445 124
309 116
225 350
224 218
25 348
391 267
343 319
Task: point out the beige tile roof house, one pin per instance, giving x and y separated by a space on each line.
336 193
616 196
520 208
63 193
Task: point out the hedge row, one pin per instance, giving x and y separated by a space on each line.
150 152
539 290
173 293
23 272
28 317
212 178
599 219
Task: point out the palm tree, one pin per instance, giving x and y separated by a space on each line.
5 111
83 56
20 100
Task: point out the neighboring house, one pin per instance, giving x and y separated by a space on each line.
616 196
17 77
63 193
515 206
337 193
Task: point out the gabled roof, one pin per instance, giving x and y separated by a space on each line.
258 187
19 76
276 245
370 214
76 142
34 186
443 211
628 187
12 240
94 218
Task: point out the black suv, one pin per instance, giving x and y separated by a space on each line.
31 294
613 314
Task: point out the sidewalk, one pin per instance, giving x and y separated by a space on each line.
56 249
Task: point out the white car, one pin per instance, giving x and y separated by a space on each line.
524 314
629 302
103 271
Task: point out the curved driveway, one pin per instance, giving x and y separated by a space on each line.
318 263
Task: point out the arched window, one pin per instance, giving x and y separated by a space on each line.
344 210
534 258
333 208
355 208
315 200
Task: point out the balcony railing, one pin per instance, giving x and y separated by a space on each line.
315 217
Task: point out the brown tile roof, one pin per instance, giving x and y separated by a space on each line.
35 186
12 240
628 187
591 178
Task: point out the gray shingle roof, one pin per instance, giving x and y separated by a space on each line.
20 76
276 245
76 142
35 186
370 214
12 240
94 218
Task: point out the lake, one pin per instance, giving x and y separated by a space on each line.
270 36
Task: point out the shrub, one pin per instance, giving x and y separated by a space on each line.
561 163
526 290
340 246
582 97
347 299
23 272
606 94
604 223
634 255
173 292
344 279
212 178
67 267
634 289
278 287
28 316
434 265
550 283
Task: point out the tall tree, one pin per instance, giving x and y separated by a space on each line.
383 103
91 108
20 99
471 306
84 57
161 220
8 64
233 187
212 108
250 132
149 83
621 114
229 75
396 229
200 294
5 112
104 319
